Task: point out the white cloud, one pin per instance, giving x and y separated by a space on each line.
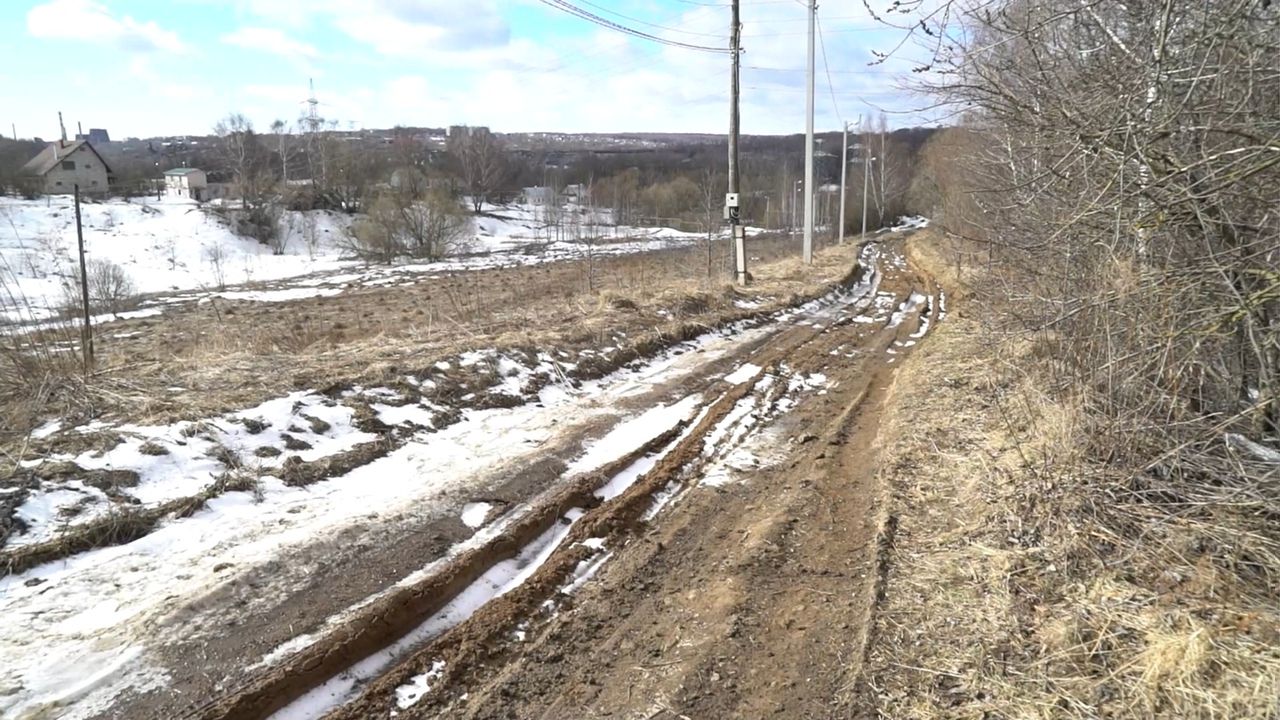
441 62
140 68
276 42
90 21
175 92
277 91
270 40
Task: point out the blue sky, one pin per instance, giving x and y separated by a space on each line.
167 67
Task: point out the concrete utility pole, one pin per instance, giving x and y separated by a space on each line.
732 206
808 143
795 208
866 179
844 167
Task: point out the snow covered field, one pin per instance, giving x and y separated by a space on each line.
94 615
173 250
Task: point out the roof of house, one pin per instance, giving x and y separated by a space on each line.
181 171
55 152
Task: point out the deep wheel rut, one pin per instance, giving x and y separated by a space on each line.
724 568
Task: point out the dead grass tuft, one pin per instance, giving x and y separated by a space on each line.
201 361
1024 579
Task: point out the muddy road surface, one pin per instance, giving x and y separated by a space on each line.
694 536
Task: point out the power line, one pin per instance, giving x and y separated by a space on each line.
833 32
835 105
578 12
782 88
725 5
647 23
833 72
580 55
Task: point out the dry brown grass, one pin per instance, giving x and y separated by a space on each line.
1023 580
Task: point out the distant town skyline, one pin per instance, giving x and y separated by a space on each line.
145 69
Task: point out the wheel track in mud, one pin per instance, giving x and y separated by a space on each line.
478 641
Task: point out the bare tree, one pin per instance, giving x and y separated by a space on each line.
244 155
711 192
478 156
286 150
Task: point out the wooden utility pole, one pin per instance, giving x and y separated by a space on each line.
732 204
808 143
86 333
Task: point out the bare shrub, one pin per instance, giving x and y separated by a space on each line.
216 256
287 226
111 290
37 367
400 225
309 231
1118 171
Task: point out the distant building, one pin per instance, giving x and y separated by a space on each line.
186 182
64 164
97 136
539 195
457 131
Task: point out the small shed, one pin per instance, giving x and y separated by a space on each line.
186 182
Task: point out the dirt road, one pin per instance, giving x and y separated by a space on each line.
717 560
692 534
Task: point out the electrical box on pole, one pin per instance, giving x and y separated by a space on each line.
732 208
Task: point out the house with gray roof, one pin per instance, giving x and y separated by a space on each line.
62 165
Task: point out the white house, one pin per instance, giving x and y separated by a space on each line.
539 195
63 165
186 182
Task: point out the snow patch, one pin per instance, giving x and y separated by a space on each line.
583 573
411 692
742 374
630 435
474 514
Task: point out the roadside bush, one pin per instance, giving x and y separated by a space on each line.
402 225
111 290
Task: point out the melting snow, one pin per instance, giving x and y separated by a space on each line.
584 572
474 514
418 685
742 374
630 435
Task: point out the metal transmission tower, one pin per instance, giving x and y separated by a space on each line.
313 120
